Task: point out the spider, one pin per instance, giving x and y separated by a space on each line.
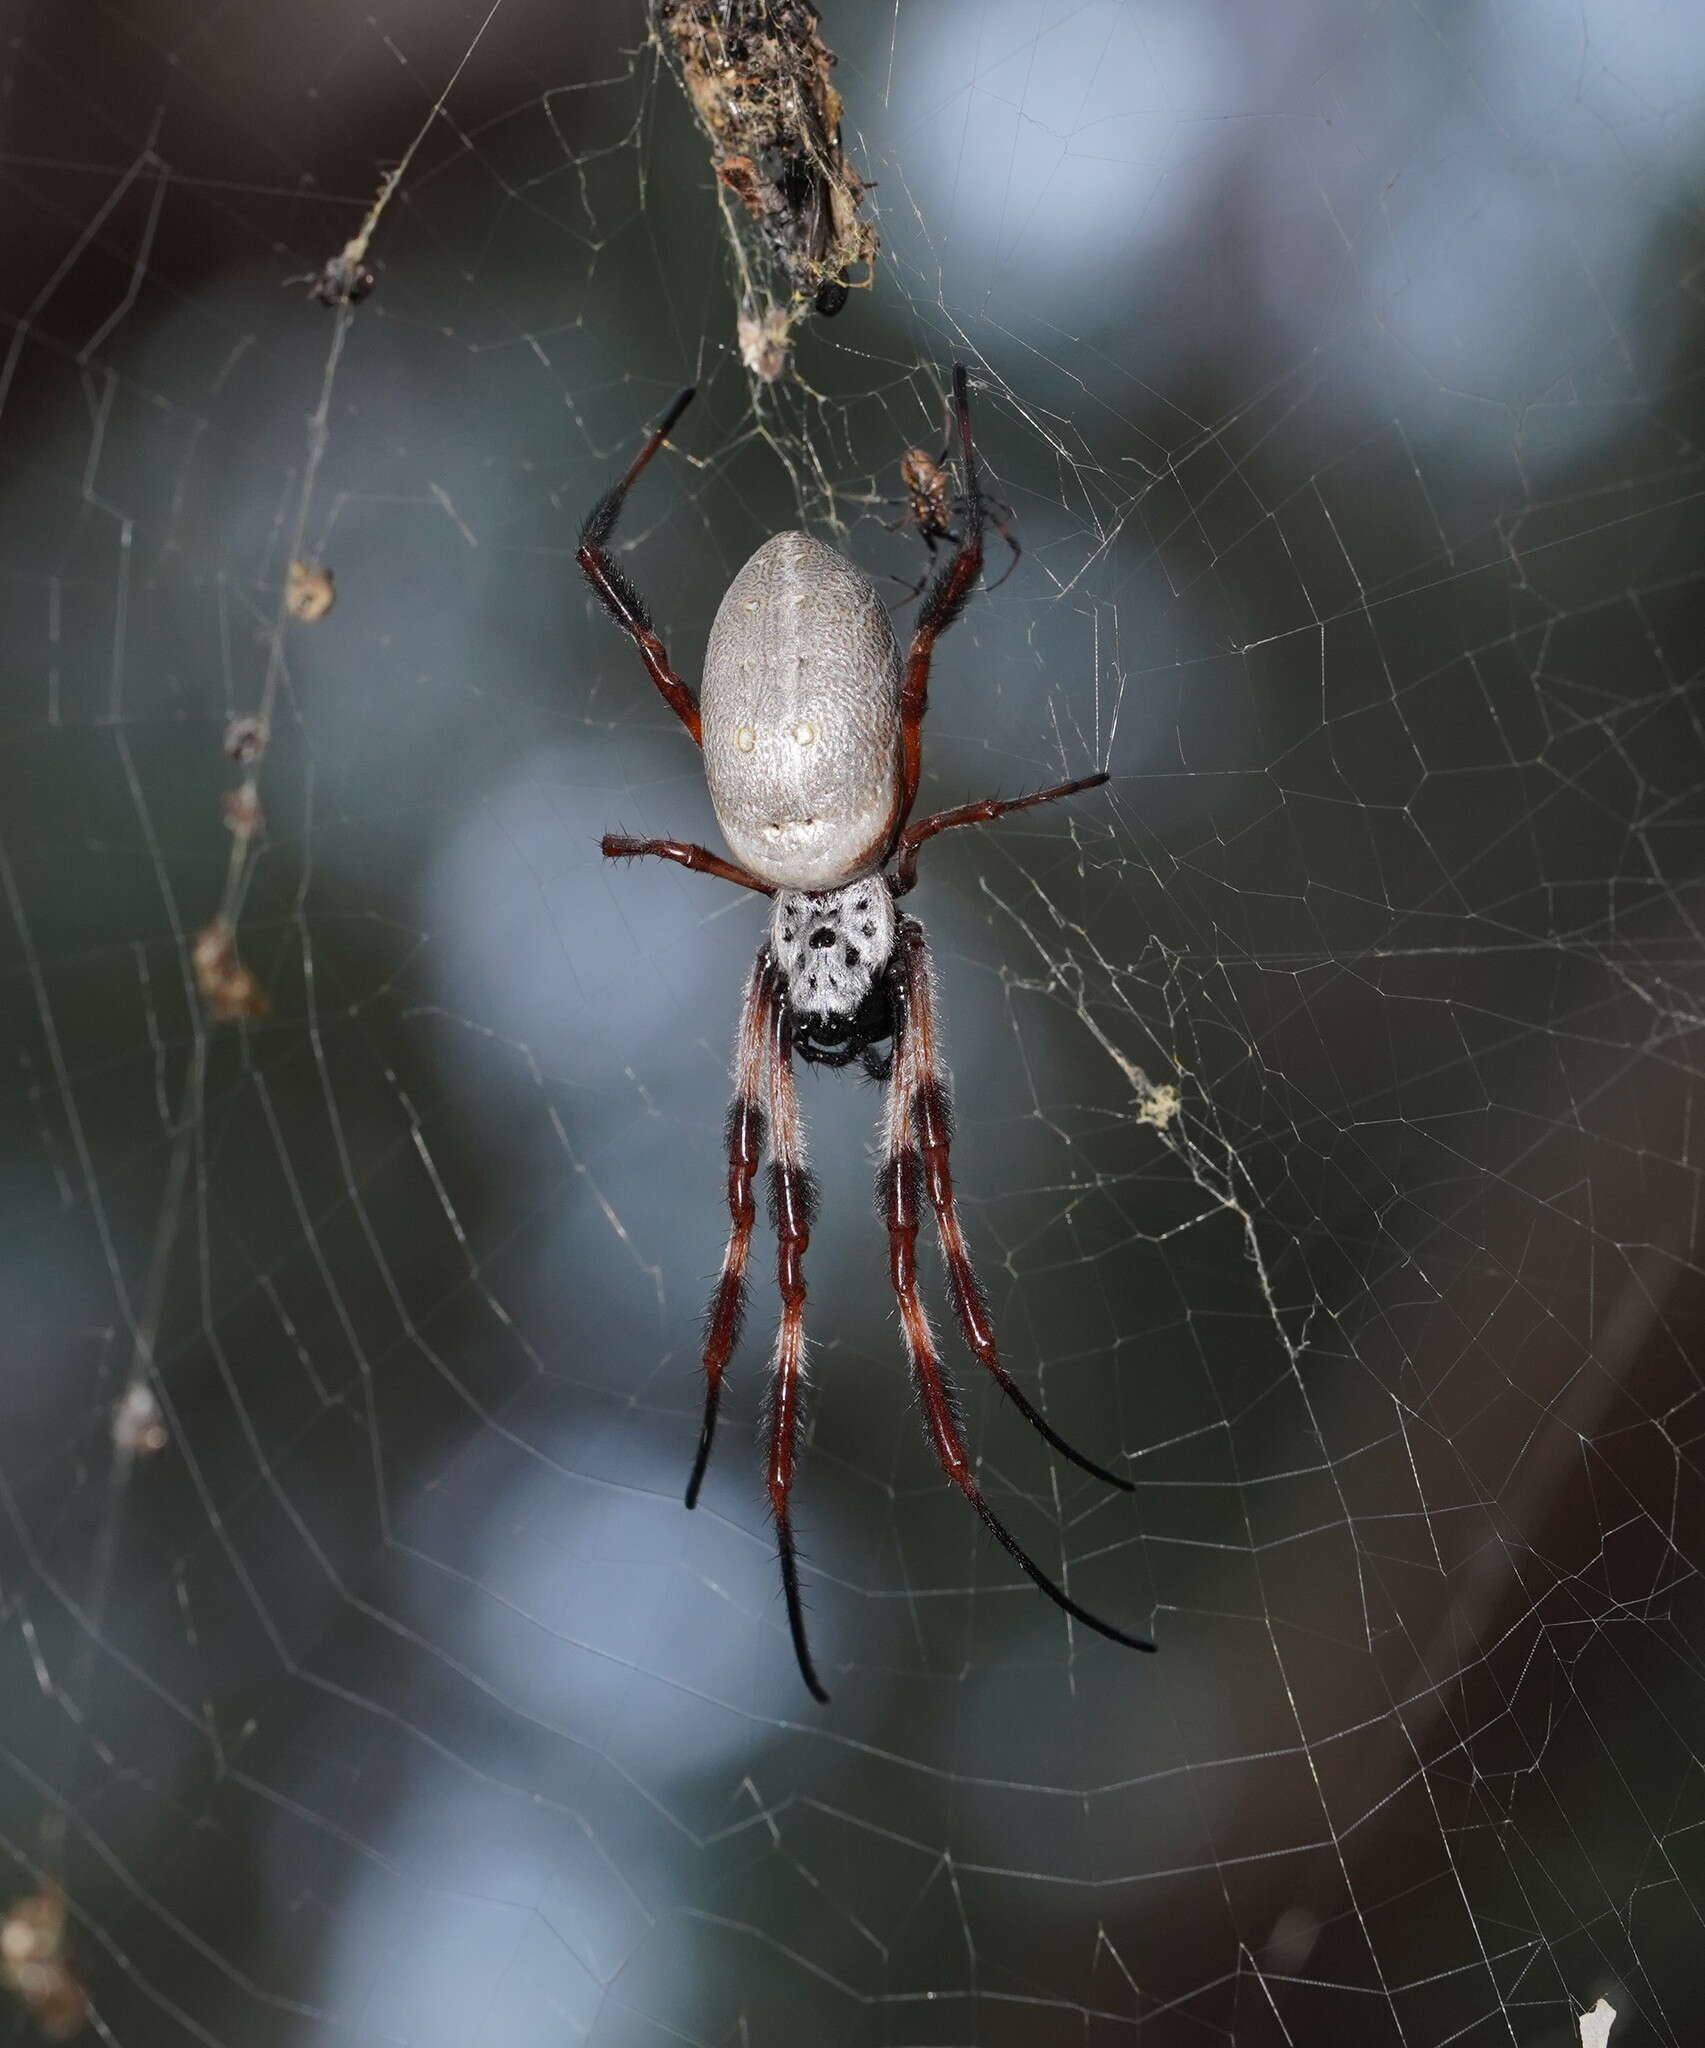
811 727
928 482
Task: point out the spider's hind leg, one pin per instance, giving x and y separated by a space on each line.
615 590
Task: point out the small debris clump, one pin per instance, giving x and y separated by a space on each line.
758 75
33 1962
246 740
228 988
244 817
138 1428
309 592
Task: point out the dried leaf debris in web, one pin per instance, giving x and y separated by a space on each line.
758 76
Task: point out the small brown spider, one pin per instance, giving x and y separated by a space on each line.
343 280
931 509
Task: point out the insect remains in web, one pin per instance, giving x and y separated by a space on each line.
810 721
343 279
758 74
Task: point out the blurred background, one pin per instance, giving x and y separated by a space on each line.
362 1678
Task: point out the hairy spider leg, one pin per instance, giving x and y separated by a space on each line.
793 1207
617 595
699 858
978 813
943 602
930 1123
747 1126
898 1189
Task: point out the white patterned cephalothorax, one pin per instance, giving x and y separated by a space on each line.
811 725
831 946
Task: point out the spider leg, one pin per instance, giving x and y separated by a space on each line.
927 1138
699 858
902 1175
793 1205
617 595
746 1131
978 813
1006 533
943 602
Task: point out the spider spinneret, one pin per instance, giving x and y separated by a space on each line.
811 724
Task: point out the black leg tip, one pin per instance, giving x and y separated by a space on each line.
701 1465
677 405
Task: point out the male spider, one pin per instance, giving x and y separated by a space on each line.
811 728
930 511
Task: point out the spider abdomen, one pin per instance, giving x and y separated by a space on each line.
801 717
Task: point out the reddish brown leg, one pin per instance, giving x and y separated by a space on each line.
902 1176
979 813
943 602
617 595
699 858
793 1205
929 1114
746 1127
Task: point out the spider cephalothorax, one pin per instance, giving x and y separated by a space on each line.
811 723
832 949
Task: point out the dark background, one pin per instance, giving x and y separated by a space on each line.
1340 367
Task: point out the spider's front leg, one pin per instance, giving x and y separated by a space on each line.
916 1153
929 1124
928 1133
766 1105
793 1208
747 1123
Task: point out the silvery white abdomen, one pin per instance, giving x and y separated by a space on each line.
801 715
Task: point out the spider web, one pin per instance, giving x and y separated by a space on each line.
1327 1087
